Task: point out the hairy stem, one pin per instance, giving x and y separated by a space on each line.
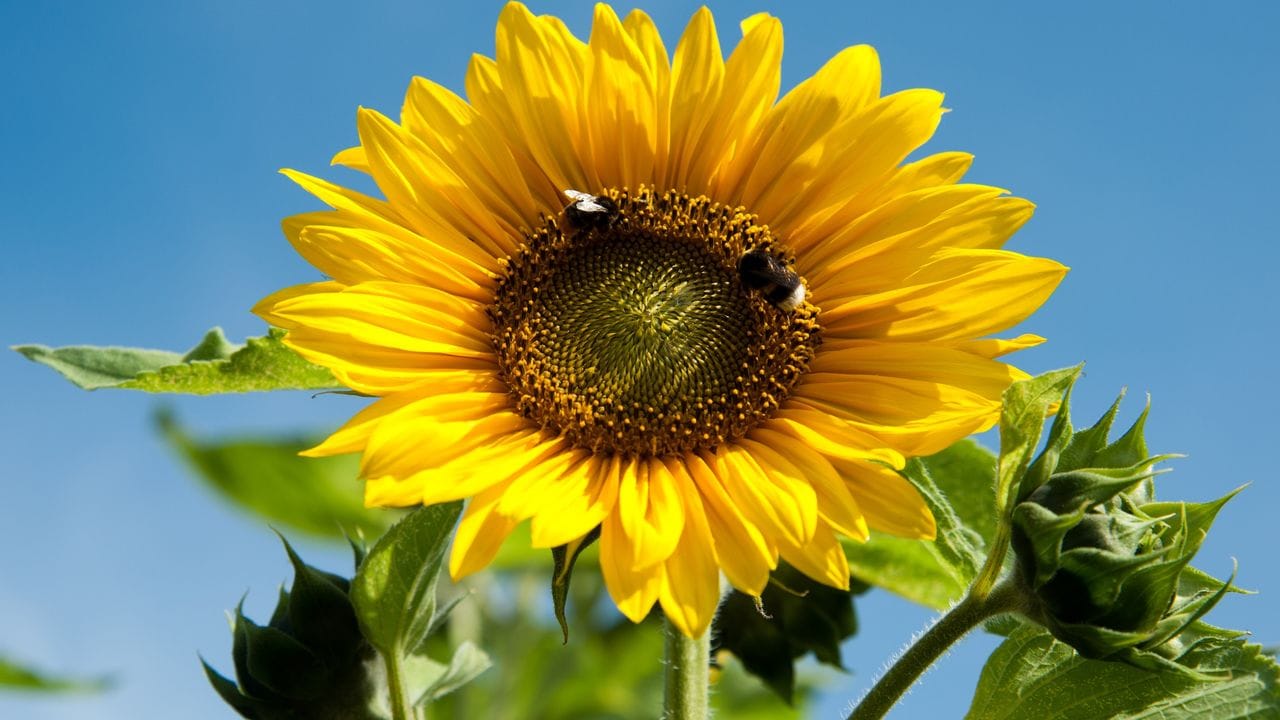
949 628
686 674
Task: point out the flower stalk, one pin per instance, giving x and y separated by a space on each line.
686 675
955 624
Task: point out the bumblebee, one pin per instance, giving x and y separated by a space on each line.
760 271
589 212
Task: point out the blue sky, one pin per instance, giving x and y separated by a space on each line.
141 200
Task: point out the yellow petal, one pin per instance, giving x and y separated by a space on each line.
740 549
771 506
476 151
690 588
933 171
831 436
436 429
882 256
996 347
961 294
796 133
540 69
354 435
890 503
352 255
822 558
621 106
480 534
393 316
697 77
834 503
426 192
590 495
633 589
650 510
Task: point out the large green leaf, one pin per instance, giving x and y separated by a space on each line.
959 486
214 365
266 476
1031 675
18 677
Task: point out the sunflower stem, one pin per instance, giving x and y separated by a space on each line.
955 624
686 675
401 706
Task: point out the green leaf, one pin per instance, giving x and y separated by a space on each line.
563 557
214 365
793 616
467 663
394 590
18 677
1026 404
1033 675
265 476
959 486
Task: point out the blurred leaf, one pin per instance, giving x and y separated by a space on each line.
1033 675
467 663
959 486
611 669
213 366
318 496
795 615
18 677
394 590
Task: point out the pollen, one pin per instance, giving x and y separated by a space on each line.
639 337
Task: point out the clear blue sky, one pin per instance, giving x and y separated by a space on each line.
141 207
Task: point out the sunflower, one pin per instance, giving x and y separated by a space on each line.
617 290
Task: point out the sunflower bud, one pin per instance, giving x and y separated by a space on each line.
1106 565
309 661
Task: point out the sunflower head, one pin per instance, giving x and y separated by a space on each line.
633 291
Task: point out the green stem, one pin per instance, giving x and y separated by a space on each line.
401 705
952 626
686 674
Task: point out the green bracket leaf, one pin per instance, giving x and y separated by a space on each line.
213 366
1033 675
18 677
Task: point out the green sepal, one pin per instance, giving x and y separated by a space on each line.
282 664
563 558
1025 406
214 365
231 693
320 613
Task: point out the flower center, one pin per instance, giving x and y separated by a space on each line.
627 327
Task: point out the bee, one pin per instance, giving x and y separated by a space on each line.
589 212
780 285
